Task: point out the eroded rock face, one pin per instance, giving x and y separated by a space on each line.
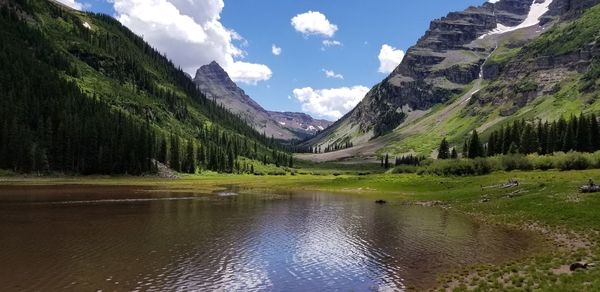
569 9
453 53
536 71
447 58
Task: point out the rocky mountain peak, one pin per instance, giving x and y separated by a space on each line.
216 84
212 74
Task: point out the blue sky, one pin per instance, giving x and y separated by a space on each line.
297 79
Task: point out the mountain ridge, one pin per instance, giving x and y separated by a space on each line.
214 81
408 96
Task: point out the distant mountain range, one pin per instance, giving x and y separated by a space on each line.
478 69
215 83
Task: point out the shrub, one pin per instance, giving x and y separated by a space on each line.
404 169
542 162
573 161
596 159
515 161
482 166
459 167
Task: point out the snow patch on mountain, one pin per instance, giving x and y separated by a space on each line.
536 12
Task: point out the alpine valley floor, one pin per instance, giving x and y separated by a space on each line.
544 202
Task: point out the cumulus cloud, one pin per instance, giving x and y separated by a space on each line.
389 58
332 74
72 3
330 103
275 50
191 34
313 23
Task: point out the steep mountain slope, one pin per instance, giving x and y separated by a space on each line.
506 76
442 63
213 81
81 93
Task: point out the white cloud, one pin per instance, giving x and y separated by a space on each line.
389 58
313 23
72 3
275 50
332 74
191 34
330 103
248 73
330 43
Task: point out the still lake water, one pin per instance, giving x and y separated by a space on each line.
123 238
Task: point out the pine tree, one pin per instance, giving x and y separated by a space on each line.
454 155
594 132
513 148
528 141
541 137
491 145
475 147
190 160
387 161
163 152
569 140
175 160
444 150
583 136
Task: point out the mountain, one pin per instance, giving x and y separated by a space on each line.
81 93
215 83
477 69
300 123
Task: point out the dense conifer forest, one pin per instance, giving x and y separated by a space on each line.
77 99
577 133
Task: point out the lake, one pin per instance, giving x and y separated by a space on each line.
90 238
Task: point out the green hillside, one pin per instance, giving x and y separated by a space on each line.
81 93
497 102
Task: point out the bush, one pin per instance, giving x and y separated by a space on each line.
515 161
482 166
277 172
459 167
596 159
404 169
573 161
542 162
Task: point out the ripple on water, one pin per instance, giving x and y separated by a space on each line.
307 241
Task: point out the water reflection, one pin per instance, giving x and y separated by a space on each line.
99 238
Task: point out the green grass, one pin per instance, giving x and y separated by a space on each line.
569 37
502 55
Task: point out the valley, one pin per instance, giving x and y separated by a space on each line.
134 154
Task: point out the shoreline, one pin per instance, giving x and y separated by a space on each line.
547 203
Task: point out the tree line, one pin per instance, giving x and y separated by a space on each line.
577 133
